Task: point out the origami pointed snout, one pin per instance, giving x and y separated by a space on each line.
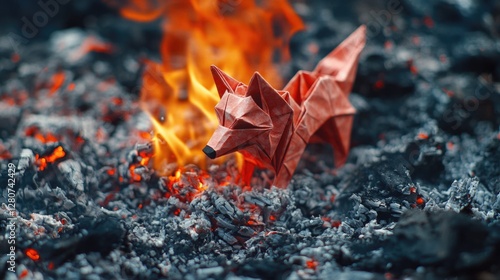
227 140
218 145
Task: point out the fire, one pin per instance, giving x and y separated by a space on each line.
186 184
312 264
179 95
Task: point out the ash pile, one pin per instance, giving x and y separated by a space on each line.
418 198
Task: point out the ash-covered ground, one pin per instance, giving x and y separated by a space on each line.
419 197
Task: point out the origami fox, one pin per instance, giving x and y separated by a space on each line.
272 127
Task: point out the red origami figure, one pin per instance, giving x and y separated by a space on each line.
272 127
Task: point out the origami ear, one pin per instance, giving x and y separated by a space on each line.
255 88
223 81
272 100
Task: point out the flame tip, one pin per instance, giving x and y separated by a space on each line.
181 87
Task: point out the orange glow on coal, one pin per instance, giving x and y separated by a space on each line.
57 82
312 264
32 254
178 94
92 44
143 11
111 172
15 57
423 135
23 274
57 154
420 201
71 87
134 176
34 132
4 152
42 162
186 184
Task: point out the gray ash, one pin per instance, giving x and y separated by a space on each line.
418 197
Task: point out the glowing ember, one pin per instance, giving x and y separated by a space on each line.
312 264
92 44
15 57
23 274
179 94
330 222
423 135
4 152
135 177
71 87
379 84
429 22
32 254
57 82
336 223
450 146
185 184
42 162
420 201
34 132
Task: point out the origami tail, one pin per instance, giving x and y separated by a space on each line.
342 62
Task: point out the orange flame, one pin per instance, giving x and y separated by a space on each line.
240 37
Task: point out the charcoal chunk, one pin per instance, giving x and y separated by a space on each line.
425 157
264 269
488 169
102 234
397 80
377 186
9 118
441 239
461 194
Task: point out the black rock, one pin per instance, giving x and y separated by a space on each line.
383 186
426 158
263 269
488 169
473 101
380 75
102 234
450 242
